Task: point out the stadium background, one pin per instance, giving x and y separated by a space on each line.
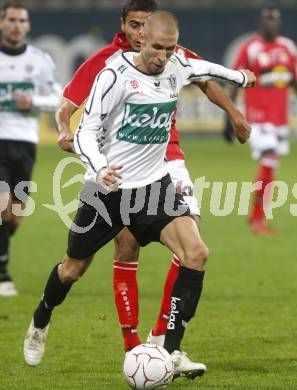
245 328
78 30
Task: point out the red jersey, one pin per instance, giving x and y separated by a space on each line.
79 88
275 66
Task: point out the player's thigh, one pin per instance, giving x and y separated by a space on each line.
181 235
90 230
126 246
263 137
25 155
159 209
181 179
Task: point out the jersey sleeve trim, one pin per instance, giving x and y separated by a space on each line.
245 79
85 140
111 86
214 71
179 60
82 152
197 76
105 92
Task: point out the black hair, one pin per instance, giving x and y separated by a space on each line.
139 5
11 4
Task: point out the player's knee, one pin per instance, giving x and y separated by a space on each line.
205 253
71 271
200 252
69 276
196 257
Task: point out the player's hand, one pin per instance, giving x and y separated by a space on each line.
23 102
241 127
110 177
65 141
251 78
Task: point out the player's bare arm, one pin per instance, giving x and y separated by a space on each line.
217 96
63 115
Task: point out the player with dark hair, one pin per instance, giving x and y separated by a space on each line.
27 86
131 119
273 58
148 6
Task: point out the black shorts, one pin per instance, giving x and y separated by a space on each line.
16 163
144 211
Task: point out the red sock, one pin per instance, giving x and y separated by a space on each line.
161 324
126 299
265 174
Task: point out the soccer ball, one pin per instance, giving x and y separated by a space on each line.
148 366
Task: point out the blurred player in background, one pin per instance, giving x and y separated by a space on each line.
27 86
272 58
134 14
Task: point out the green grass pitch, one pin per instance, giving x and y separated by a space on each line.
245 328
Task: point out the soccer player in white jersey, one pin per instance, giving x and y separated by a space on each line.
126 254
131 118
27 86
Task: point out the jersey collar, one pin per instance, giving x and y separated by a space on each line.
13 52
121 41
131 63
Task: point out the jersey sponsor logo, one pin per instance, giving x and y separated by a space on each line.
147 123
174 311
279 77
7 90
134 84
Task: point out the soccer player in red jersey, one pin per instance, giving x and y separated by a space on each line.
273 59
135 13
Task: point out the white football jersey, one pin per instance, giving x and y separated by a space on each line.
31 72
128 115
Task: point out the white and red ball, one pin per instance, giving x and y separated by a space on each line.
148 366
